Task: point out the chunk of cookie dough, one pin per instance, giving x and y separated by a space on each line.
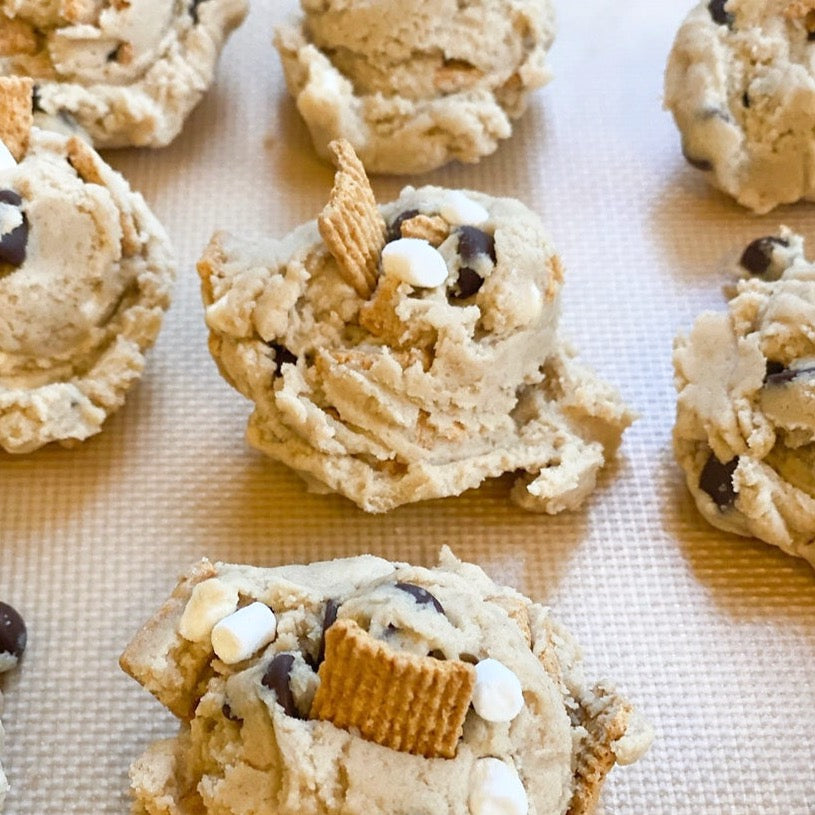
741 87
391 370
369 666
85 277
745 419
415 86
127 71
13 636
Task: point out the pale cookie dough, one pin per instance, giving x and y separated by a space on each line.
85 276
745 420
128 72
536 738
415 85
741 86
425 389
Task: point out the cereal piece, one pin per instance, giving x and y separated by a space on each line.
16 37
413 704
16 115
432 228
351 224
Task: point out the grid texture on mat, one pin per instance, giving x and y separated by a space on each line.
711 635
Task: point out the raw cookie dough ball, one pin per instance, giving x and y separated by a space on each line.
745 420
741 86
13 638
128 73
413 86
85 276
445 371
343 708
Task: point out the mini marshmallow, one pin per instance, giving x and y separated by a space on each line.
497 695
239 635
496 789
459 210
414 261
7 161
210 602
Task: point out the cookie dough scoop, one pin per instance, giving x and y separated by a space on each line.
85 277
413 85
365 687
410 351
127 72
740 84
745 416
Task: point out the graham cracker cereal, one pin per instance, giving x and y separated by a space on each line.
16 114
351 224
16 37
605 719
406 702
432 228
516 609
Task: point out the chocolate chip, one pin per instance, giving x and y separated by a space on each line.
395 228
35 100
13 244
329 618
717 12
467 284
778 374
745 99
716 479
758 255
13 634
226 710
276 679
474 242
193 8
422 596
282 355
699 163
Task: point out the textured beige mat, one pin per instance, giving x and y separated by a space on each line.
713 636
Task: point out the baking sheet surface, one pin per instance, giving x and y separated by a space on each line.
713 636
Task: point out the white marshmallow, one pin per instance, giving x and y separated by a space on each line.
459 210
239 635
210 602
497 695
414 261
7 161
496 789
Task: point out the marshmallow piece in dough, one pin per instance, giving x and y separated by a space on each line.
496 789
239 635
460 210
497 695
210 602
414 261
7 161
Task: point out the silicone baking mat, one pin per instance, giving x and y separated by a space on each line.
713 636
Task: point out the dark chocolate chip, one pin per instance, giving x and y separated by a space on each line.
329 618
420 595
778 374
282 355
226 710
276 679
35 100
436 654
13 244
745 99
13 634
467 284
717 12
473 242
699 163
716 479
395 228
758 255
193 8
